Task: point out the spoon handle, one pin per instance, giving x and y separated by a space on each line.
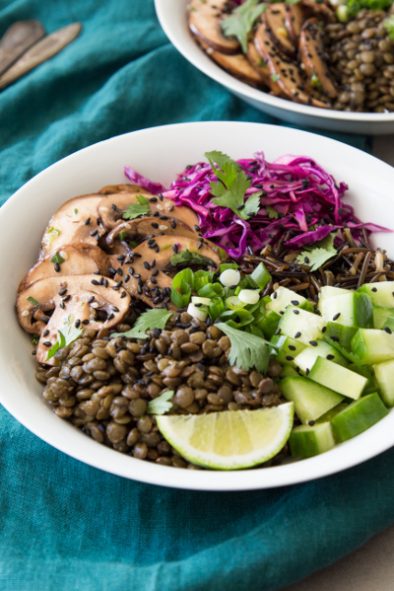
16 40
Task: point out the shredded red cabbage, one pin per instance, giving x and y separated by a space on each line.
301 204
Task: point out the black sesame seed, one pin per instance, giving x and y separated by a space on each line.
335 339
47 343
57 268
295 302
330 356
297 335
374 289
289 358
324 329
336 316
313 343
77 323
292 348
296 311
388 330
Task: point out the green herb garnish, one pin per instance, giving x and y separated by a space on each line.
155 318
181 288
389 26
247 350
231 186
67 335
53 233
33 301
271 212
137 209
188 257
57 259
161 404
315 257
240 23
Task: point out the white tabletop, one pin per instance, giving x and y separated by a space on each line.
371 568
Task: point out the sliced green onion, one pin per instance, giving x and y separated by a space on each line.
201 278
211 290
216 308
237 318
225 266
233 302
261 276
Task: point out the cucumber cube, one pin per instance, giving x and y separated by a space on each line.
384 374
287 348
371 345
306 441
338 378
311 400
381 293
328 291
282 297
358 417
349 309
301 325
383 317
306 359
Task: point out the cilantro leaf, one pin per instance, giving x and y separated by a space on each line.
229 191
252 205
137 209
67 335
33 301
240 22
155 318
188 257
161 404
316 257
247 350
57 259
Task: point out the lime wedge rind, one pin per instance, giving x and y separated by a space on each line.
178 430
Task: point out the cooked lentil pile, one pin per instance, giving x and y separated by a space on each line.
103 385
361 57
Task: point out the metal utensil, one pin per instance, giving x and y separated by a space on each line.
16 40
40 52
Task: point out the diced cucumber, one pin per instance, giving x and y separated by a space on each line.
381 293
340 337
371 345
384 374
349 309
366 371
383 317
358 417
311 400
282 297
338 378
328 291
307 441
287 348
269 324
301 325
306 359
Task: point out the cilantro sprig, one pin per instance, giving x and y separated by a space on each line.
161 404
230 188
247 350
136 210
315 257
241 21
188 257
66 335
155 318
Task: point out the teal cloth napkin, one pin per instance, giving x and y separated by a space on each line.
70 527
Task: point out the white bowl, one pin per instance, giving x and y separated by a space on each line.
172 17
160 153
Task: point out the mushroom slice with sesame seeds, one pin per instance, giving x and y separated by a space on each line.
312 57
69 260
75 222
204 18
259 64
237 65
283 71
153 266
88 299
275 19
294 19
321 9
142 227
112 207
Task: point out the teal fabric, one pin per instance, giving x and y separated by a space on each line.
70 527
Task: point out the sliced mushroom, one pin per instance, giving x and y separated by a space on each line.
111 208
275 19
204 18
312 57
259 64
146 272
237 65
123 188
321 9
140 228
79 300
283 71
70 260
294 19
75 222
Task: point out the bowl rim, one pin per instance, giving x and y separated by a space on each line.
85 449
202 62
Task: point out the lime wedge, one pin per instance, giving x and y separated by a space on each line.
229 440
